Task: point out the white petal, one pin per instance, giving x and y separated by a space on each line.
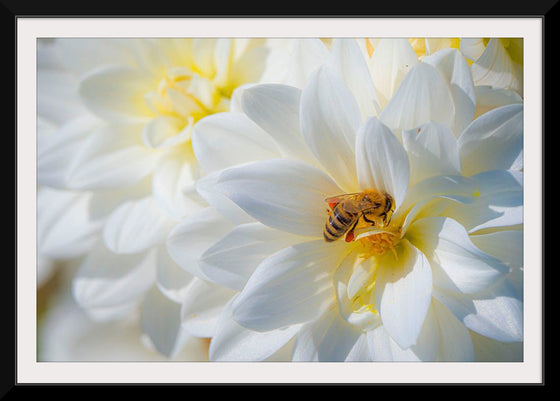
307 56
282 194
384 349
106 279
202 305
275 108
499 315
190 238
111 158
495 67
181 103
225 139
160 319
432 149
427 344
330 118
505 245
360 350
150 54
57 95
56 149
455 340
171 280
233 258
165 131
103 203
493 141
222 55
422 96
65 228
498 203
80 54
207 187
234 343
472 48
381 160
455 70
488 98
292 286
447 245
353 275
328 339
203 51
390 62
116 93
251 66
454 187
403 293
235 105
172 180
348 61
496 313
136 226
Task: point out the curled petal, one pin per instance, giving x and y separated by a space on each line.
498 202
494 141
496 313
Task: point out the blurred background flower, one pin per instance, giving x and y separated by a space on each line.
116 168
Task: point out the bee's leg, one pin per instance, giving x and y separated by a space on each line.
350 233
368 220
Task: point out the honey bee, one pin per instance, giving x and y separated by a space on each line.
374 206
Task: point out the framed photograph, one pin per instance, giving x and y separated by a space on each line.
279 199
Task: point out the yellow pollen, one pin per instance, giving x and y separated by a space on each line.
378 244
369 47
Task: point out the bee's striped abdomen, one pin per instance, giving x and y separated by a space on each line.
338 223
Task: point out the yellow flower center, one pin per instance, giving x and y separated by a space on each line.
378 244
184 94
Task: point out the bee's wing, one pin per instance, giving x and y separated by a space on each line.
350 204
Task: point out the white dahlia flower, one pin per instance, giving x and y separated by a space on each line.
439 281
116 170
